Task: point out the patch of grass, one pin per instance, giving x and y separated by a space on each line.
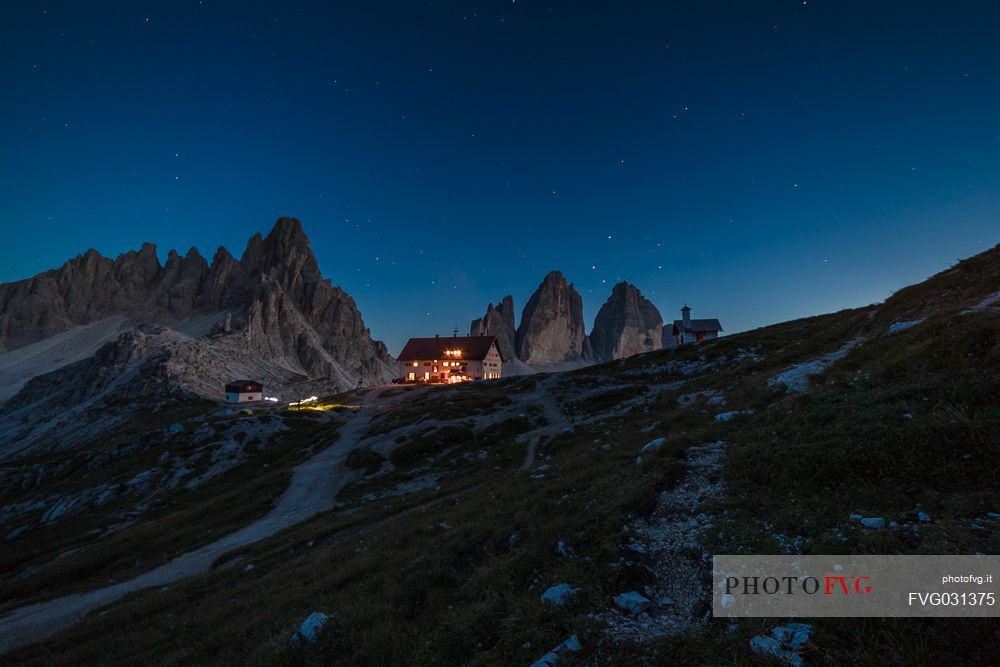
430 443
949 292
905 419
364 459
605 401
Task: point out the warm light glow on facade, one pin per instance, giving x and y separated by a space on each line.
479 362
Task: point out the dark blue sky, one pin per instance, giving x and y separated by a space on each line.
760 160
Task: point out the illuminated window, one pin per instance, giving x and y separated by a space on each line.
414 363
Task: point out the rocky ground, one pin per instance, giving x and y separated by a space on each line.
564 518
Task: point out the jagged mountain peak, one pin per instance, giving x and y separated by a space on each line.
623 287
274 298
285 254
551 329
555 277
222 256
499 321
627 324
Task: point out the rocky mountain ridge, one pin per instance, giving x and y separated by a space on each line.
551 330
274 302
84 346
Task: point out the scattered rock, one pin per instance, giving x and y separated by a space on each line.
712 396
18 532
793 635
248 568
653 444
897 327
552 658
770 646
310 628
796 378
559 595
673 556
632 602
727 416
873 522
564 550
636 547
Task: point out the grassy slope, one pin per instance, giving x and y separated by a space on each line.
179 522
432 577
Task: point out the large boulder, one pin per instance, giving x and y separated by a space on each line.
560 654
311 627
559 595
632 602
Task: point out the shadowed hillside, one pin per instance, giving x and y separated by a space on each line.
466 504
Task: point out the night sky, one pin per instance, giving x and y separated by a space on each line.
761 161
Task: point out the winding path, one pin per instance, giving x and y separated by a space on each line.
313 489
556 420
